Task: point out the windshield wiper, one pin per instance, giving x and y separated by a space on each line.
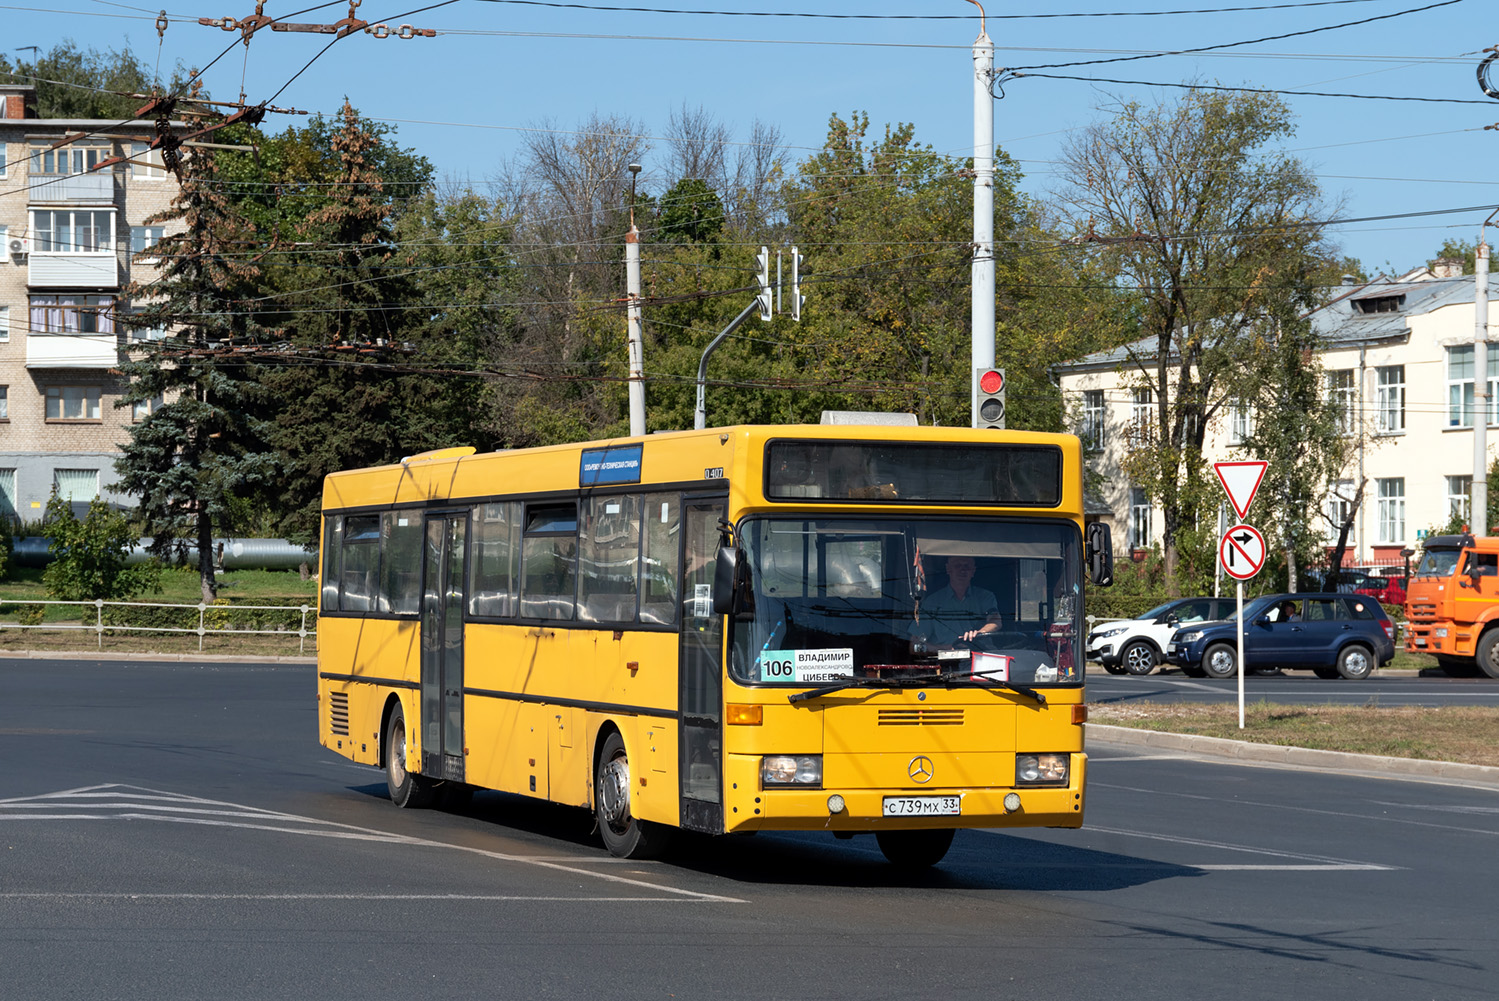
840 686
945 676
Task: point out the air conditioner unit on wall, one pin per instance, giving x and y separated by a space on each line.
19 246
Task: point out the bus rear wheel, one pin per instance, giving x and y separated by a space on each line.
625 835
915 849
406 789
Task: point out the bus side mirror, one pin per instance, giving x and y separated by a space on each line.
725 577
1100 554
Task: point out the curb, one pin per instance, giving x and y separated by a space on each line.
216 658
1300 757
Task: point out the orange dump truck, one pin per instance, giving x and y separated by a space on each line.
1452 604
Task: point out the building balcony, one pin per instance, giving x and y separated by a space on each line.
72 351
93 188
73 270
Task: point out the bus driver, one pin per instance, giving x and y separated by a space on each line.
948 614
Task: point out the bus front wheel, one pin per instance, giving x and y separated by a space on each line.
915 849
624 834
406 789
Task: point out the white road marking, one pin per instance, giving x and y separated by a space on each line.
1304 861
124 802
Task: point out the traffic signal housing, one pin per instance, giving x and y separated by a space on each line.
990 383
767 302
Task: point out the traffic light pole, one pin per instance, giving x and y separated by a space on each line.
700 414
762 304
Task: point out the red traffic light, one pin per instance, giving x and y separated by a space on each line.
991 381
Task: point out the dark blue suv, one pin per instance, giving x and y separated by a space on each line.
1335 635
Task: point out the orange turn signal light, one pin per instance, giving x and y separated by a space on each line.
1079 714
743 715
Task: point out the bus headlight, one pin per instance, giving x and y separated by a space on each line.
1041 769
791 770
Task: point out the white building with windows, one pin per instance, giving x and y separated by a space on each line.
1398 355
70 235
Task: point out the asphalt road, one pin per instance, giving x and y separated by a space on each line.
173 831
1296 687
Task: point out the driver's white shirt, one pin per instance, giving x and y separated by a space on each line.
945 617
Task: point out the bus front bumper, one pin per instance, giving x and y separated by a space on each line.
866 810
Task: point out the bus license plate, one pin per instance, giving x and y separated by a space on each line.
923 806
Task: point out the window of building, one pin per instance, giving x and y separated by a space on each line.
141 409
8 494
146 163
72 313
1094 414
1459 488
4 403
1342 393
73 403
1460 385
143 238
2 158
1142 414
1389 398
76 485
1240 424
4 323
74 158
1380 304
1391 509
1339 506
72 231
1139 518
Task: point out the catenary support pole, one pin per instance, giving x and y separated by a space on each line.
1478 520
635 321
983 212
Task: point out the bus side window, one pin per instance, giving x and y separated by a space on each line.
333 533
496 558
359 581
549 562
401 562
608 558
661 527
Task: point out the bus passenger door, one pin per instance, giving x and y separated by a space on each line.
442 646
700 684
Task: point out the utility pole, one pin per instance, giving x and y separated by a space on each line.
1478 517
636 338
983 212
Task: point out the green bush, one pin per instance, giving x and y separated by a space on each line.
88 556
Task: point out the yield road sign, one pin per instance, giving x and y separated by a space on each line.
1242 552
1240 481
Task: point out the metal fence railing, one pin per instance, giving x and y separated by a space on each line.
212 620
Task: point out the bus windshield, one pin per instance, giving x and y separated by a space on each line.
907 598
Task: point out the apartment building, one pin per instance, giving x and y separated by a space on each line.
72 235
1397 353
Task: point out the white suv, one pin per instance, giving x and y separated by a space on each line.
1136 646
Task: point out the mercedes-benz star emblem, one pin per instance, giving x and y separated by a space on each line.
920 768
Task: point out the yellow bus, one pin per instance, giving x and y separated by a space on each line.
851 629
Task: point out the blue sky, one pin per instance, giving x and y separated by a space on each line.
496 68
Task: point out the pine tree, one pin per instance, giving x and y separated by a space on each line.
201 445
